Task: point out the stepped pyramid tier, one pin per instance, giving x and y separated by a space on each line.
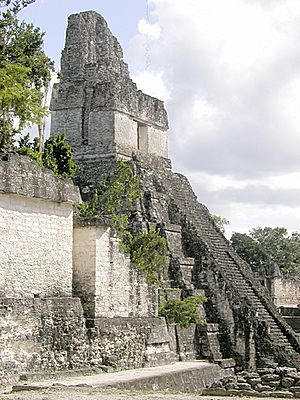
251 329
96 104
105 118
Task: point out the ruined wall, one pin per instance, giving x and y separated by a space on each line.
96 103
46 335
35 247
38 335
131 342
36 229
132 135
108 284
286 292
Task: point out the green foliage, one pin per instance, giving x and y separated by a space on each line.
58 157
25 73
221 222
115 199
148 250
27 148
22 44
182 312
89 209
265 247
15 5
119 191
17 99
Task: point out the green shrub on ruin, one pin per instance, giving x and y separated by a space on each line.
115 199
182 312
89 209
58 157
148 250
30 149
57 154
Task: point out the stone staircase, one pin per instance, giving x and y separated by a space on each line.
168 187
233 268
178 283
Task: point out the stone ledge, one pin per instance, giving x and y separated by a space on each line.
22 176
191 377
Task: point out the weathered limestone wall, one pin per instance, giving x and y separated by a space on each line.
108 284
84 268
100 141
131 342
36 229
126 133
50 334
286 292
132 135
158 142
22 176
38 335
35 247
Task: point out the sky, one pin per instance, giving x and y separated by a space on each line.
229 73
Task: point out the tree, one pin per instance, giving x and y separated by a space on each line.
221 222
265 247
17 99
25 72
15 5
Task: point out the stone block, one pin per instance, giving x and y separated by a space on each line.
243 386
283 371
210 327
274 384
231 386
265 371
282 394
254 381
246 392
262 388
295 389
173 294
270 378
226 363
287 382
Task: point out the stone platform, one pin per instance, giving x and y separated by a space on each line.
193 377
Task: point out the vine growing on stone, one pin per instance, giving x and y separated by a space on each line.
114 198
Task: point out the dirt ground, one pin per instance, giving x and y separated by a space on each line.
87 393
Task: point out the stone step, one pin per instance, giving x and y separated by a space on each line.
221 250
193 377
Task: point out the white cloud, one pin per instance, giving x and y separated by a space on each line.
231 70
151 30
152 84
